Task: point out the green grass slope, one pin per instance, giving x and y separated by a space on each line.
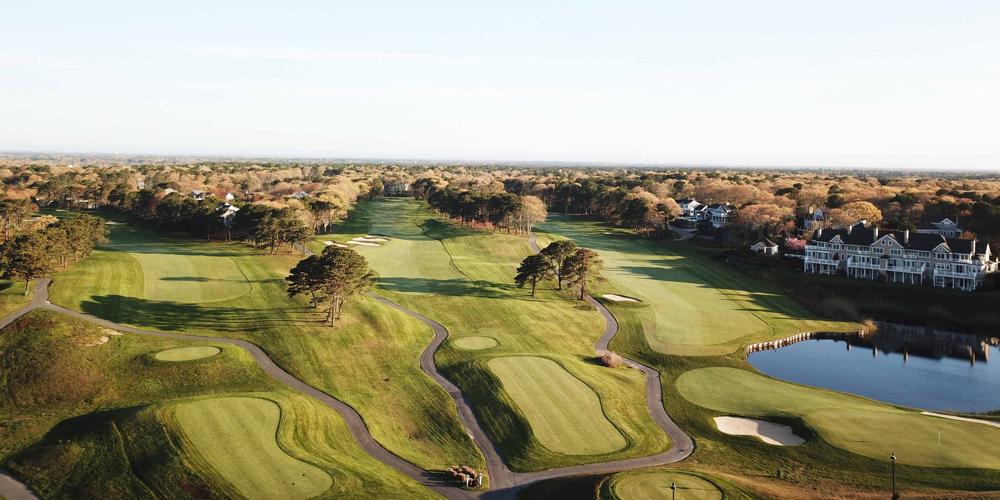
463 279
370 360
85 419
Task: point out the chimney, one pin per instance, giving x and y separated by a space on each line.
875 232
973 248
850 228
906 237
819 232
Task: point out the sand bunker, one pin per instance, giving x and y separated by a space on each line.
334 244
369 237
768 432
364 243
619 298
112 223
961 419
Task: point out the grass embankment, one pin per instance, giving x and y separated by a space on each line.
463 279
841 456
83 419
370 360
12 296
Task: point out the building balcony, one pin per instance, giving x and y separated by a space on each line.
952 274
818 260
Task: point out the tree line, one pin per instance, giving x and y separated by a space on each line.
501 211
37 254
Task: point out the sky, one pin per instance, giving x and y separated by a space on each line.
891 83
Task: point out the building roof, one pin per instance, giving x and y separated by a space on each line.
766 242
858 234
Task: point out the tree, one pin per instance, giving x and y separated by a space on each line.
30 256
556 254
13 213
533 269
331 278
855 211
583 266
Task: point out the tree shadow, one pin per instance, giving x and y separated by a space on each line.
177 316
453 287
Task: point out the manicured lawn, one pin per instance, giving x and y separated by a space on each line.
695 306
235 437
12 296
655 485
565 415
463 278
370 360
187 353
96 421
856 424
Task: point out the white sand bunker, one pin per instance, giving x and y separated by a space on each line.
364 243
962 419
367 241
334 244
375 237
112 223
619 298
768 432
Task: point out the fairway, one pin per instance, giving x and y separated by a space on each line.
655 485
855 424
697 306
564 413
235 436
475 343
142 265
187 353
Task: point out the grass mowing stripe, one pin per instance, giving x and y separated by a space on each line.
237 436
564 413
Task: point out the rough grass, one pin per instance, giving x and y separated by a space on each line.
690 306
187 353
235 437
95 422
12 296
463 278
853 423
565 415
370 360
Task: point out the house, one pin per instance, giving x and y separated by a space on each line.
168 192
717 213
945 227
765 247
908 257
689 205
301 195
226 213
396 188
198 194
229 198
815 220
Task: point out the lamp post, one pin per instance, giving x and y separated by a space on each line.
895 496
673 490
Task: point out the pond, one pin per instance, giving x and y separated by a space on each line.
915 366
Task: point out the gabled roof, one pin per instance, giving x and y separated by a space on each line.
863 236
766 242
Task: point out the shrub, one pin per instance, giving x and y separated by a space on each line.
611 360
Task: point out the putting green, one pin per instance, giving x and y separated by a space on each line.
855 424
235 437
564 413
475 343
698 306
655 485
187 353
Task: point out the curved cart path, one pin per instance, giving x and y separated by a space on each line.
10 488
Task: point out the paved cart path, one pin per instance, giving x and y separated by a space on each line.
503 481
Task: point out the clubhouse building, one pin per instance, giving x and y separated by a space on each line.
907 257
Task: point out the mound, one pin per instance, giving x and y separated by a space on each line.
187 353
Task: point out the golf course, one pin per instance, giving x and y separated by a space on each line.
462 278
189 356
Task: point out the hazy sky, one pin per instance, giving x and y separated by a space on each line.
799 82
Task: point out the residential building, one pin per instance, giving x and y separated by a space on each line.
945 227
689 206
198 194
717 213
765 247
908 257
